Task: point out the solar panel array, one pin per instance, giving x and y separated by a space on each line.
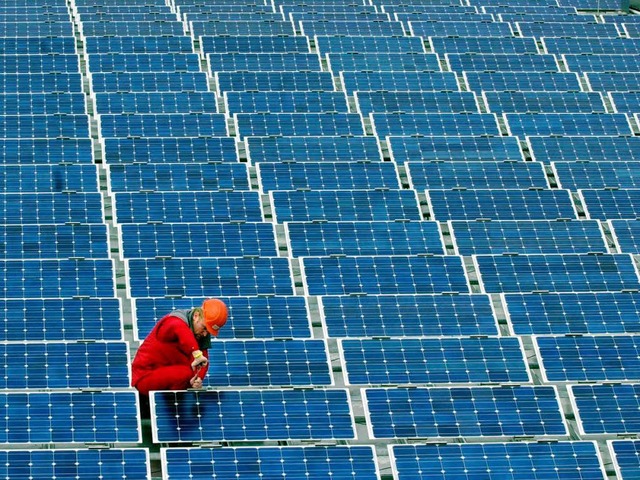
422 216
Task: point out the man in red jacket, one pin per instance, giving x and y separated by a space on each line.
174 356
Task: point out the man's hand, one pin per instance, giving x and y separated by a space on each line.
199 360
196 382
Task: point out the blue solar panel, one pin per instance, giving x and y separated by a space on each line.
73 417
165 102
344 205
567 124
526 237
317 462
129 463
364 44
103 365
566 29
298 124
557 273
483 44
241 27
362 27
327 176
163 125
579 175
139 44
14 45
614 82
398 81
44 178
544 102
127 82
357 15
49 150
227 12
256 7
523 81
405 149
601 63
463 412
39 63
570 149
314 149
40 82
434 124
573 313
433 361
377 275
611 204
285 102
553 15
535 461
607 409
27 14
625 102
501 204
144 62
44 126
143 240
191 277
408 315
142 13
427 27
33 208
331 7
398 8
416 102
96 9
187 207
589 359
363 238
252 317
501 62
169 150
446 175
587 45
626 455
382 62
177 177
626 235
632 30
131 28
270 363
254 44
267 62
251 415
42 104
273 81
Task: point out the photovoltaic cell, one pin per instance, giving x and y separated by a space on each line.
127 82
481 44
434 124
267 62
452 148
33 208
398 81
169 150
501 62
522 81
298 124
416 102
544 102
150 102
382 62
597 175
138 44
273 81
567 124
312 149
285 102
594 149
613 81
606 409
43 178
626 454
42 104
164 125
368 44
254 44
46 150
611 204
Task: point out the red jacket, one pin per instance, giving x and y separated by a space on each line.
171 342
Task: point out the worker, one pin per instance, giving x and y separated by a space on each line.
174 356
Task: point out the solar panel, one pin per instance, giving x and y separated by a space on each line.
426 13
26 14
96 9
363 28
328 16
139 44
163 125
613 82
557 273
275 317
126 463
501 62
544 102
61 319
526 237
593 149
331 7
405 149
626 457
589 44
382 62
285 102
150 102
500 204
143 240
381 275
434 124
169 150
611 358
228 12
417 9
398 81
240 27
363 238
365 44
550 16
577 460
27 104
237 415
131 28
481 44
427 27
40 82
632 30
44 126
610 204
625 102
591 62
567 124
40 150
191 277
177 177
573 313
35 208
217 206
344 205
412 361
229 6
298 124
625 235
478 175
100 365
523 81
273 81
254 44
127 82
267 62
602 5
142 14
357 462
396 413
22 45
566 29
606 409
44 178
327 176
39 63
416 102
70 417
407 315
590 175
314 149
144 62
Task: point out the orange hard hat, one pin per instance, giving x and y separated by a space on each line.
215 315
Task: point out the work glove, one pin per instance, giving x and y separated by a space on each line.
199 360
